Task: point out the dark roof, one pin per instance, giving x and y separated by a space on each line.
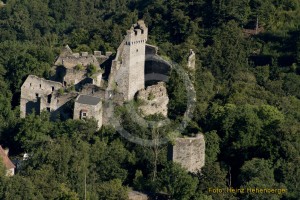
84 99
6 161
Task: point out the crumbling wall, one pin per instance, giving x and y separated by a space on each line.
69 59
189 152
129 77
61 105
93 90
34 92
74 76
191 60
134 195
115 70
154 100
151 50
97 79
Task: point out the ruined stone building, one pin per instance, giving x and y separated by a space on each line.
154 100
129 64
81 87
78 88
88 106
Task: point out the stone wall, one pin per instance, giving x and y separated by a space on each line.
189 152
129 77
134 195
154 100
97 79
61 105
93 90
92 110
34 92
69 59
74 76
191 60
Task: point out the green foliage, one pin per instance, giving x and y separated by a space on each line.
177 182
19 187
34 130
177 95
258 173
212 146
151 96
92 70
79 67
112 190
247 98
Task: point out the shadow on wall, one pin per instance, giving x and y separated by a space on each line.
33 107
106 65
79 86
64 112
156 70
60 74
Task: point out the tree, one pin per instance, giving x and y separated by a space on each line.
212 146
228 53
258 173
34 130
18 188
176 182
112 190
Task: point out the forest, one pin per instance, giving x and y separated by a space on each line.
247 82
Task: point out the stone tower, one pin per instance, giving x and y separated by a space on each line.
189 152
133 59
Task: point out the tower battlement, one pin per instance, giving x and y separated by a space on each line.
137 34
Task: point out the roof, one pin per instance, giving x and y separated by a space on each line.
85 99
6 161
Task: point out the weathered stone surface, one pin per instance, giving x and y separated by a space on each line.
69 59
88 107
192 60
129 64
134 195
37 94
154 99
125 78
73 76
189 152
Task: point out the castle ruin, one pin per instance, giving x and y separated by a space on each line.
79 82
80 88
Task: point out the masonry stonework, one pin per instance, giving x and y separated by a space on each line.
154 100
189 152
88 107
192 60
92 94
130 61
134 195
36 94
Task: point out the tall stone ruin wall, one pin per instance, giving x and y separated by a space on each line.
189 152
127 74
192 60
154 100
34 91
